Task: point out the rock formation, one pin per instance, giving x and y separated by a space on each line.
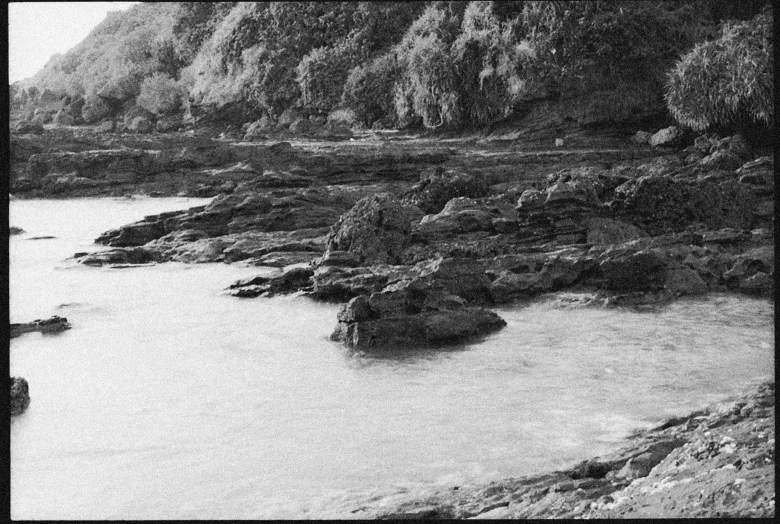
20 395
54 324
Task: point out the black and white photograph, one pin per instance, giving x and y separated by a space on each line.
391 260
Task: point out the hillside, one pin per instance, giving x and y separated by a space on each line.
443 66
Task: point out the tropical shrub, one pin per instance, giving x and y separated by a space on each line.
322 74
430 81
485 59
726 82
160 94
370 89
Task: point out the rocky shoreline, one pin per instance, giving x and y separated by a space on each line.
717 462
419 238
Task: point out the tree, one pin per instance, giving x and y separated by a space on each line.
729 81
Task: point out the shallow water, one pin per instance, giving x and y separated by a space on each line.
170 399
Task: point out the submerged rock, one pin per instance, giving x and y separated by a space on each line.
20 396
54 324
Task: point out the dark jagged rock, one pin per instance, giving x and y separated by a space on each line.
133 255
667 137
643 271
287 281
376 230
20 396
26 127
403 315
464 215
438 186
54 324
659 204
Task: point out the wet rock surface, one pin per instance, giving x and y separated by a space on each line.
20 396
716 462
54 324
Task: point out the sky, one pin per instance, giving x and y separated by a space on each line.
38 30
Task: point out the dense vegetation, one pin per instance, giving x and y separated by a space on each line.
439 64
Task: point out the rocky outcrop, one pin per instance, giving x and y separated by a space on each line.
20 396
438 186
668 137
375 230
407 315
54 324
136 255
25 127
717 462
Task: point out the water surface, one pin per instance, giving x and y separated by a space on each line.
170 399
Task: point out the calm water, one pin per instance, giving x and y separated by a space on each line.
170 399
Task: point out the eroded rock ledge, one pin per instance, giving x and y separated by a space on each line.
466 236
717 462
54 324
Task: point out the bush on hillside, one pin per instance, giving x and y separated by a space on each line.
430 82
160 94
370 90
322 74
485 58
574 46
726 82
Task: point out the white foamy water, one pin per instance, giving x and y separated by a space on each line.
170 399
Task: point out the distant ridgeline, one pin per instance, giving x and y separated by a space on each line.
448 65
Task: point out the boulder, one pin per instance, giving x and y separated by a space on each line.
20 396
95 109
48 96
141 124
300 126
170 123
376 230
721 159
25 127
396 318
685 281
64 118
289 116
668 137
606 231
460 215
643 271
54 324
259 129
437 187
105 127
138 111
661 204
642 137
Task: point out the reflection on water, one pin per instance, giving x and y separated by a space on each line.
170 399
